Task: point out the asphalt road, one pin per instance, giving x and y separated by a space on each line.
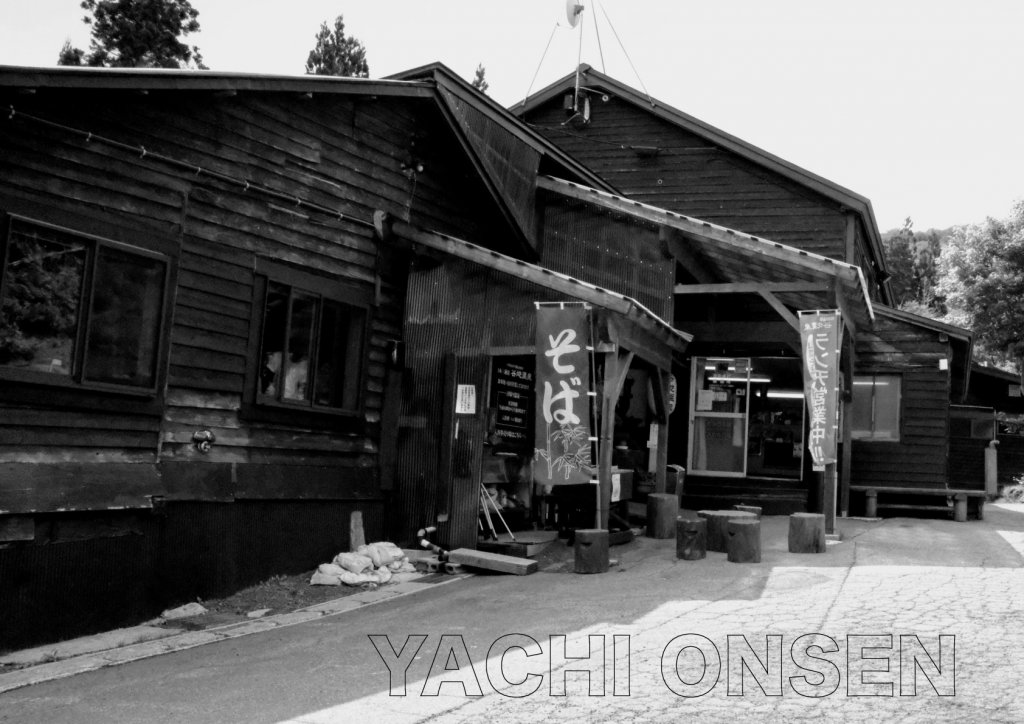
681 640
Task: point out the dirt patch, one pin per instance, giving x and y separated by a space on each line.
279 594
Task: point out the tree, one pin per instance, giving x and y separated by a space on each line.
335 54
912 258
479 82
137 34
981 275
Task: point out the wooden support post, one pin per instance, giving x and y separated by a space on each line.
591 551
807 533
691 539
828 498
846 430
616 365
662 510
744 540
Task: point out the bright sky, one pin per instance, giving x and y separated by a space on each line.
916 104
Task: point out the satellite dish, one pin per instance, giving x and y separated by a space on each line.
572 12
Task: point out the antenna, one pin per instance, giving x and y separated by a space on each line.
573 9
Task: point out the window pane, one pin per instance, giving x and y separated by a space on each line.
42 289
861 417
887 407
124 323
340 351
303 313
275 324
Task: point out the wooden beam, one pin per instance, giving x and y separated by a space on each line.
787 316
751 288
682 251
493 561
704 332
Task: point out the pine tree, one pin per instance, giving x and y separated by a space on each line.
479 82
137 34
335 54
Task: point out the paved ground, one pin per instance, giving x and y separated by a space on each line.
894 588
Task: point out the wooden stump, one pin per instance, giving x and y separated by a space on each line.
691 539
756 510
591 550
871 504
718 537
662 509
807 533
744 544
960 508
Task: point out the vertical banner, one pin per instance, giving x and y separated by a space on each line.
562 429
820 337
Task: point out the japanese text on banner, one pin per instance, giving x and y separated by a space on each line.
562 429
819 340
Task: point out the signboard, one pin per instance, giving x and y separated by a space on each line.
465 400
562 434
512 398
820 337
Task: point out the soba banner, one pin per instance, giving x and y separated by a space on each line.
563 437
820 337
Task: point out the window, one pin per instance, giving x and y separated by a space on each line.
312 347
876 408
79 310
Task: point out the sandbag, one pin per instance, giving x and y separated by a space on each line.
322 579
353 562
330 569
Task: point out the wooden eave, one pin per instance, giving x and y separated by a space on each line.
735 262
440 74
157 79
833 191
647 324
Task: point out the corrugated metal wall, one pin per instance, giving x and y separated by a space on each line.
615 253
67 584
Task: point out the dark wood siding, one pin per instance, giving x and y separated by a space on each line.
347 154
920 458
692 176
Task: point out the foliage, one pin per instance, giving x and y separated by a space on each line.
912 259
479 81
336 54
982 279
137 34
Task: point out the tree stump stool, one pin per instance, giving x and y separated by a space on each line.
744 544
591 550
871 504
756 510
807 533
662 509
718 537
960 508
691 538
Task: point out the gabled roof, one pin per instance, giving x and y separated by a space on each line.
591 79
738 256
961 342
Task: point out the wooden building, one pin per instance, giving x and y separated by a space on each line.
201 346
998 414
909 368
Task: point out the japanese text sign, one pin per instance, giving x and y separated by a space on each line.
562 429
820 335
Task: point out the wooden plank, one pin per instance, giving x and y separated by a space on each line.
33 488
492 561
306 482
751 287
918 491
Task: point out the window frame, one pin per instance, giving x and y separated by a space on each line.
338 291
872 434
77 380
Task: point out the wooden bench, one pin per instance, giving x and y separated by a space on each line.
960 498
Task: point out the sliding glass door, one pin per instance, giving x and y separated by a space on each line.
719 401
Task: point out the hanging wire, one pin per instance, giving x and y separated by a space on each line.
600 48
542 56
626 53
579 59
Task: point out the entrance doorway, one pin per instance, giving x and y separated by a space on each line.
746 417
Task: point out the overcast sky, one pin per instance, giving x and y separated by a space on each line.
916 104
